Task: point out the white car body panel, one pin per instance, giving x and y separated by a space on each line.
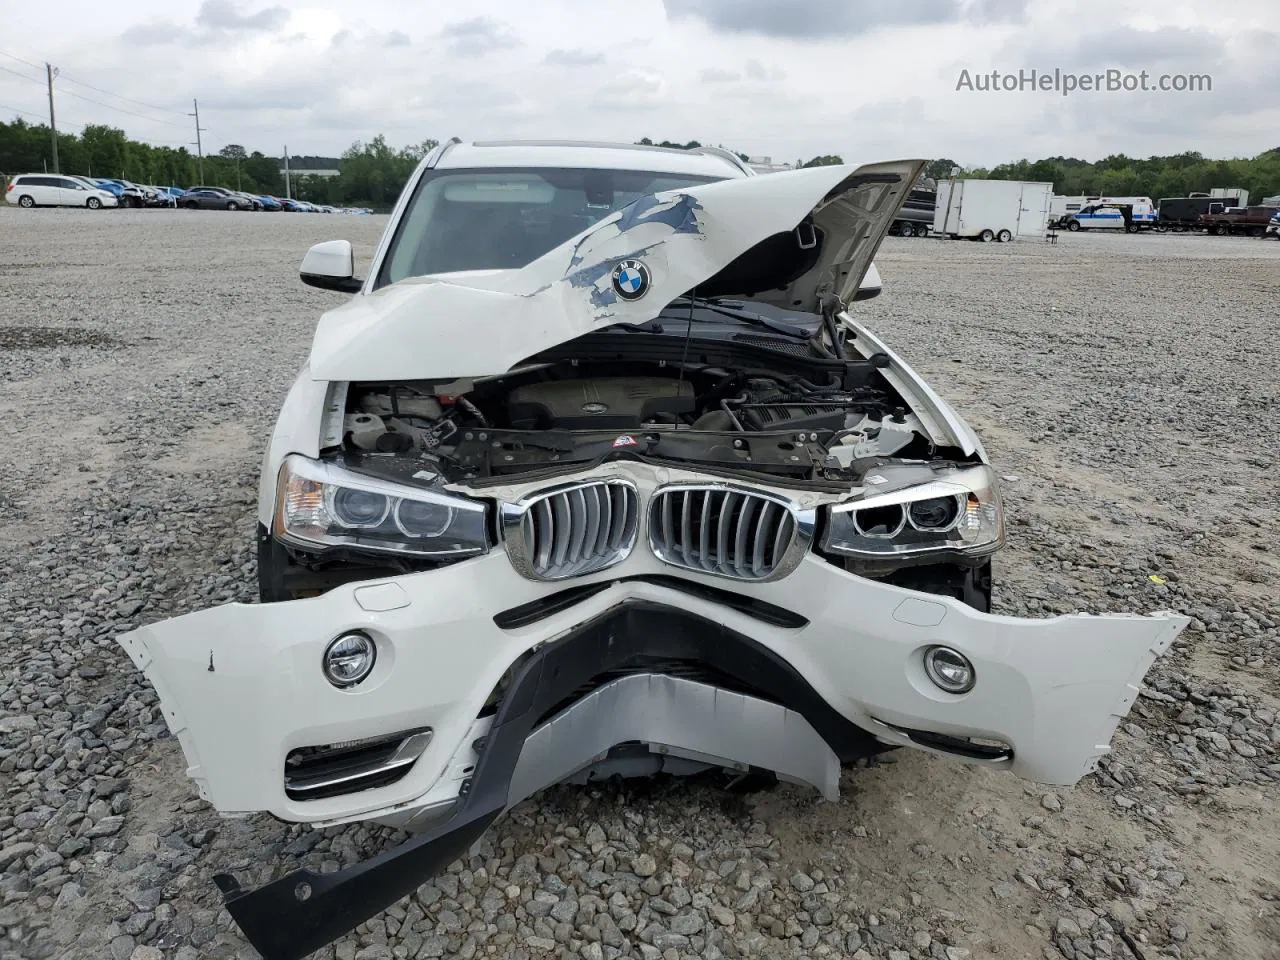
411 329
241 685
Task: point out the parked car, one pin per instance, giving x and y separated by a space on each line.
131 195
269 203
159 197
213 198
597 473
1273 227
110 186
54 190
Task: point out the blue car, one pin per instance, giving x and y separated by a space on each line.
111 187
269 203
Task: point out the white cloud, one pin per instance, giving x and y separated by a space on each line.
786 79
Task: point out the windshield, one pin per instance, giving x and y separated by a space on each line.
505 219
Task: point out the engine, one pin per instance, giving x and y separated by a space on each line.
575 412
613 403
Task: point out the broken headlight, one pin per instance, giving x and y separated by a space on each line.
323 504
959 514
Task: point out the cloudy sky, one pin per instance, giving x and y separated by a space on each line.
866 79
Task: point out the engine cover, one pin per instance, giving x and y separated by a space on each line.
599 404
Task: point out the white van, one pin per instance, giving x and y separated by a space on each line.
51 190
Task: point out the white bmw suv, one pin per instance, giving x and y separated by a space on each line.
597 473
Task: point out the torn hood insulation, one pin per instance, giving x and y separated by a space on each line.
789 239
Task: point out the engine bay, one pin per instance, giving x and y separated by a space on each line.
760 413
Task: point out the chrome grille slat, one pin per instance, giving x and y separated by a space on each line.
786 529
592 504
722 534
705 560
686 529
760 538
577 526
737 533
740 541
572 531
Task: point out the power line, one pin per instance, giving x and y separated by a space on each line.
111 106
25 113
141 103
23 75
81 83
14 56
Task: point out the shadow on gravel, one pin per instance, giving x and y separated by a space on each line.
35 338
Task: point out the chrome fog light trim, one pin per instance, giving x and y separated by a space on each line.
949 669
349 659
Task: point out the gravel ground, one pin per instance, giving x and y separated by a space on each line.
1122 385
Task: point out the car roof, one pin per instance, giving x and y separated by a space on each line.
706 162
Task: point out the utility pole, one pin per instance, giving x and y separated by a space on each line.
287 194
50 73
199 146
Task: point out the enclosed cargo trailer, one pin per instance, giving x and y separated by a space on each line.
989 210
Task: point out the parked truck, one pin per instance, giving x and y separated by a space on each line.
1251 220
1183 213
1130 214
916 215
989 210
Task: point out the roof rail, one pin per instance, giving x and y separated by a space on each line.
444 148
729 155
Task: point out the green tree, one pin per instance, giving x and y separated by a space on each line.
826 160
940 169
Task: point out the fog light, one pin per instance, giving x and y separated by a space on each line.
950 670
349 659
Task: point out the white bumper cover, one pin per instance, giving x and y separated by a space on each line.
241 685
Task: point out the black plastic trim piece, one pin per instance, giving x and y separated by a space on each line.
958 746
540 609
299 913
543 607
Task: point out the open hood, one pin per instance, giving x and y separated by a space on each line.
789 238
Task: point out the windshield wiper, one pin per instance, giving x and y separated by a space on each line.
744 316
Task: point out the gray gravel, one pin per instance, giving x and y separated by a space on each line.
1125 387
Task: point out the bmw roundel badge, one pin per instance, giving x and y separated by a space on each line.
631 279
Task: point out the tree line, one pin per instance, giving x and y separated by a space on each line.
1178 175
372 173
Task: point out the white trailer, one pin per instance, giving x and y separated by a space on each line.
989 210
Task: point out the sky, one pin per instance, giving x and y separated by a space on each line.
789 79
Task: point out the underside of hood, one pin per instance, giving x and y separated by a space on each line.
790 238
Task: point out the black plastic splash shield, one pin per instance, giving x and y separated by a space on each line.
299 913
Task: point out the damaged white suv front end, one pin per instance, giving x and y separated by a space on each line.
597 475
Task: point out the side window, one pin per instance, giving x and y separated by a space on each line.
68 184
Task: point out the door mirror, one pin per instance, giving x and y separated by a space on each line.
331 266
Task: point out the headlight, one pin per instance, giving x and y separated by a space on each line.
959 514
323 504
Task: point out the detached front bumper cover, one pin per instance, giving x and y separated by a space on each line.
302 911
1051 691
